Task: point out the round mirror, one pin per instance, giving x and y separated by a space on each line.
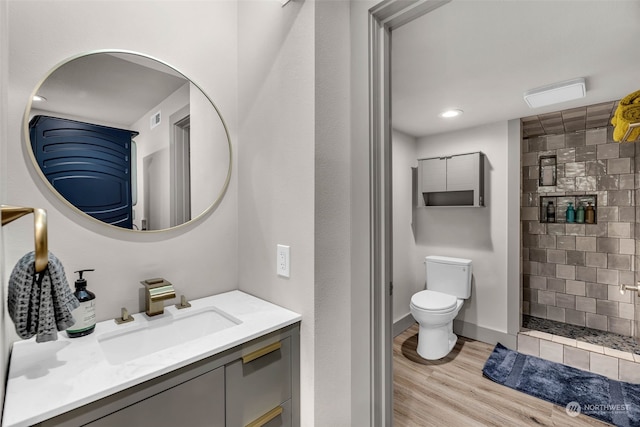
129 141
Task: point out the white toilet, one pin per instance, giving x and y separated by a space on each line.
448 285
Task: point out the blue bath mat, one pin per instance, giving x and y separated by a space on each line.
578 391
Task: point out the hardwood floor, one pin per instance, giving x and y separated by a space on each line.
453 392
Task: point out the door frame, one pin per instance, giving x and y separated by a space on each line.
383 19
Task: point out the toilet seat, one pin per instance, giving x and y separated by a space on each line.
434 302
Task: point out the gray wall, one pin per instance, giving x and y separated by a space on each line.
571 272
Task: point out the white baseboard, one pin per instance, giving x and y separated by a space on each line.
404 323
489 336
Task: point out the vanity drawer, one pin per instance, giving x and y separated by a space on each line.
259 383
197 402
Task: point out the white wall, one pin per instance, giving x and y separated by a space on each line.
407 279
479 234
199 259
4 56
276 164
294 183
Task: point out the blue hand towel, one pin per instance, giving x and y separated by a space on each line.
40 303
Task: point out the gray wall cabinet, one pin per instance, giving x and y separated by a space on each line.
456 180
256 384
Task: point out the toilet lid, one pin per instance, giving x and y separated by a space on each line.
432 300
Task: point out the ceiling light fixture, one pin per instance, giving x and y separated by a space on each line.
556 93
38 98
451 113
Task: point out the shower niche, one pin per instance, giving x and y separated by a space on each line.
561 204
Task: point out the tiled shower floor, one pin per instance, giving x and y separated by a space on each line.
581 333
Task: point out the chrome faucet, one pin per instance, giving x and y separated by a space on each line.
624 288
156 291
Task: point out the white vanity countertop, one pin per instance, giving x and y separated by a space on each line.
51 378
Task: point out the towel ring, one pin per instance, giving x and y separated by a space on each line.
11 213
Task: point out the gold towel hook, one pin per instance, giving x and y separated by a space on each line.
11 213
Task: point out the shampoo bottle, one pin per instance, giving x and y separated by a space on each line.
571 213
580 214
551 212
589 214
85 315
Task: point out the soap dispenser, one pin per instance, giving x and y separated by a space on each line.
85 314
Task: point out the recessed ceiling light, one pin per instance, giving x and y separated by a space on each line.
556 93
450 113
38 98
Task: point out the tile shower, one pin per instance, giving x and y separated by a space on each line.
571 272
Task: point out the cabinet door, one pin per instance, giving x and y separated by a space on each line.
433 175
196 403
256 388
462 172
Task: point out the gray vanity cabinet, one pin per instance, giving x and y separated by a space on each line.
198 402
259 385
256 384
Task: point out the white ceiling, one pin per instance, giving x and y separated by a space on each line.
481 56
108 88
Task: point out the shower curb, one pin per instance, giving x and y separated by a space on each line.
614 364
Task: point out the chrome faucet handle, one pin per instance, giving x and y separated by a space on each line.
624 288
125 317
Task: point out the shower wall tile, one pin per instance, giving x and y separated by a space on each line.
596 259
568 242
586 274
556 256
547 241
597 290
627 214
597 321
620 326
607 308
555 142
571 272
619 229
575 317
585 244
608 213
585 304
547 297
556 313
565 301
586 153
626 310
575 258
556 285
619 262
565 271
606 276
575 287
608 151
619 166
596 136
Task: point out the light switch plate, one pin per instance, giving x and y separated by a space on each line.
283 261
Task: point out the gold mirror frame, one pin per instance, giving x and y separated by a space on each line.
27 141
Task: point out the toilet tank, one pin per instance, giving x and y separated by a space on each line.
449 275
